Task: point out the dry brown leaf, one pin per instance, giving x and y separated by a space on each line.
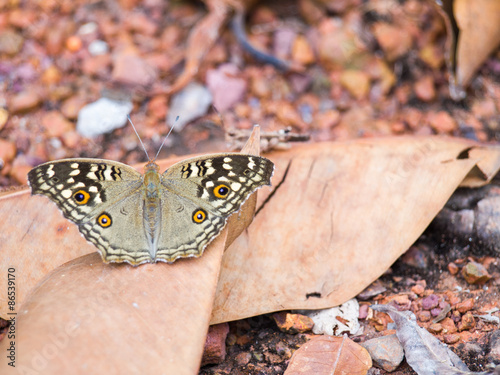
328 355
343 214
114 318
473 29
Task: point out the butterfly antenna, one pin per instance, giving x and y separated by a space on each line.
140 140
164 139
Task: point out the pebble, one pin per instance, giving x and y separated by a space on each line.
464 306
435 328
72 106
442 122
467 322
188 104
158 106
98 47
386 351
55 124
394 41
103 116
11 42
243 358
302 51
356 82
24 101
448 325
293 323
225 86
475 273
96 65
74 43
430 302
336 320
424 89
451 338
418 289
453 268
130 69
4 116
424 316
215 344
51 75
7 152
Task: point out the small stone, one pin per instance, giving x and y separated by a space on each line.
394 41
326 120
11 42
363 311
130 69
51 75
415 257
302 51
96 65
432 55
467 322
401 299
7 152
98 47
451 338
283 39
74 43
386 351
19 172
158 107
430 302
293 323
336 320
424 316
72 106
453 268
188 104
448 325
54 40
55 124
215 344
102 116
436 311
418 289
475 273
464 306
24 101
424 89
225 86
71 139
435 328
442 122
356 82
243 358
4 116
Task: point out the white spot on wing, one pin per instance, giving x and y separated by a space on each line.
50 171
76 172
74 165
93 189
235 186
66 193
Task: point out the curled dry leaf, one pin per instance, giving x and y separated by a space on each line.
424 353
473 32
327 355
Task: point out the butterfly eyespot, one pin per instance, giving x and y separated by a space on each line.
221 191
104 220
199 216
81 197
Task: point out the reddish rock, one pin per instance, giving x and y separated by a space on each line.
74 43
448 325
24 101
158 107
418 289
465 305
55 124
356 82
225 86
133 70
452 338
51 75
424 316
243 358
435 328
394 41
475 273
467 322
302 51
7 152
442 122
293 323
424 89
430 302
20 173
96 65
72 106
453 268
215 344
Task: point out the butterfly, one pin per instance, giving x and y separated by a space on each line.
140 218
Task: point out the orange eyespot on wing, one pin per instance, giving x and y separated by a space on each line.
221 191
104 220
199 216
81 197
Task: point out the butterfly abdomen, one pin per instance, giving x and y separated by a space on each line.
152 207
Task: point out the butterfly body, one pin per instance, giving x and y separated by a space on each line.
138 218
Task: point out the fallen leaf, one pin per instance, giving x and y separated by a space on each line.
424 353
327 355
